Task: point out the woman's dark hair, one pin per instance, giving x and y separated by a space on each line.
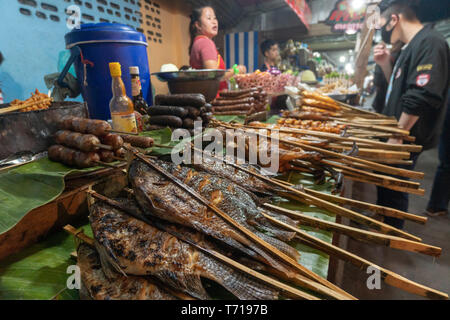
195 17
1 58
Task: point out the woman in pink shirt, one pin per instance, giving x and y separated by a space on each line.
204 54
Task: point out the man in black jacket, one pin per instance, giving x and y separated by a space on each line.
418 84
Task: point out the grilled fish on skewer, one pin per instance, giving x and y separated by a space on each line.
137 248
234 200
98 287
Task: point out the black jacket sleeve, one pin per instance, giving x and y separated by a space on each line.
427 81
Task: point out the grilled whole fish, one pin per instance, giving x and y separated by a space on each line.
137 248
154 192
98 287
234 200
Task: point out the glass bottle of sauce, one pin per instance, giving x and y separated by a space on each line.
121 107
140 105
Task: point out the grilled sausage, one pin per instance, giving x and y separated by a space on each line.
106 156
82 125
193 112
171 121
238 93
232 102
188 123
121 153
238 107
168 110
76 140
113 140
138 141
71 157
182 100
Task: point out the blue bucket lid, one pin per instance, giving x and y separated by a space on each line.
104 32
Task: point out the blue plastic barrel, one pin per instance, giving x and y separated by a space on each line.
92 48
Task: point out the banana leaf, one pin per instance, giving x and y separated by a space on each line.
40 182
40 272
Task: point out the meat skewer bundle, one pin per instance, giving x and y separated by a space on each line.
240 102
86 143
179 111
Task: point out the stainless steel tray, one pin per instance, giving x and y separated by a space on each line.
32 132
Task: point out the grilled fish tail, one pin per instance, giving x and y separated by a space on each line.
280 245
240 285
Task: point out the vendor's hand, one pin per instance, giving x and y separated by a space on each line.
381 55
395 141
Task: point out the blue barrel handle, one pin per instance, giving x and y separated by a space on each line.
73 56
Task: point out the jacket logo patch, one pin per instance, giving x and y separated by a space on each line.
425 67
399 73
423 79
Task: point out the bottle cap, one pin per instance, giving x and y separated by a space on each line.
134 70
115 69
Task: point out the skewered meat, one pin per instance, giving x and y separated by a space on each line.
96 127
97 286
113 140
75 140
137 248
167 110
138 141
106 156
121 153
323 126
71 157
37 101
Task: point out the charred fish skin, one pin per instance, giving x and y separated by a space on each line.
166 201
141 249
97 286
243 179
148 185
236 202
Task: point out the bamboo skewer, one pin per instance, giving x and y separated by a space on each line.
123 132
358 234
384 211
388 276
295 194
349 107
372 153
381 145
103 146
285 288
376 128
372 165
405 183
24 105
288 260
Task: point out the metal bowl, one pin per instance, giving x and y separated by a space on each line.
206 81
191 75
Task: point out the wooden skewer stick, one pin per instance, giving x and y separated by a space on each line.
89 241
388 276
103 146
285 288
372 153
123 132
372 165
405 183
283 257
358 234
105 164
79 234
295 194
349 107
376 128
384 211
380 145
24 105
